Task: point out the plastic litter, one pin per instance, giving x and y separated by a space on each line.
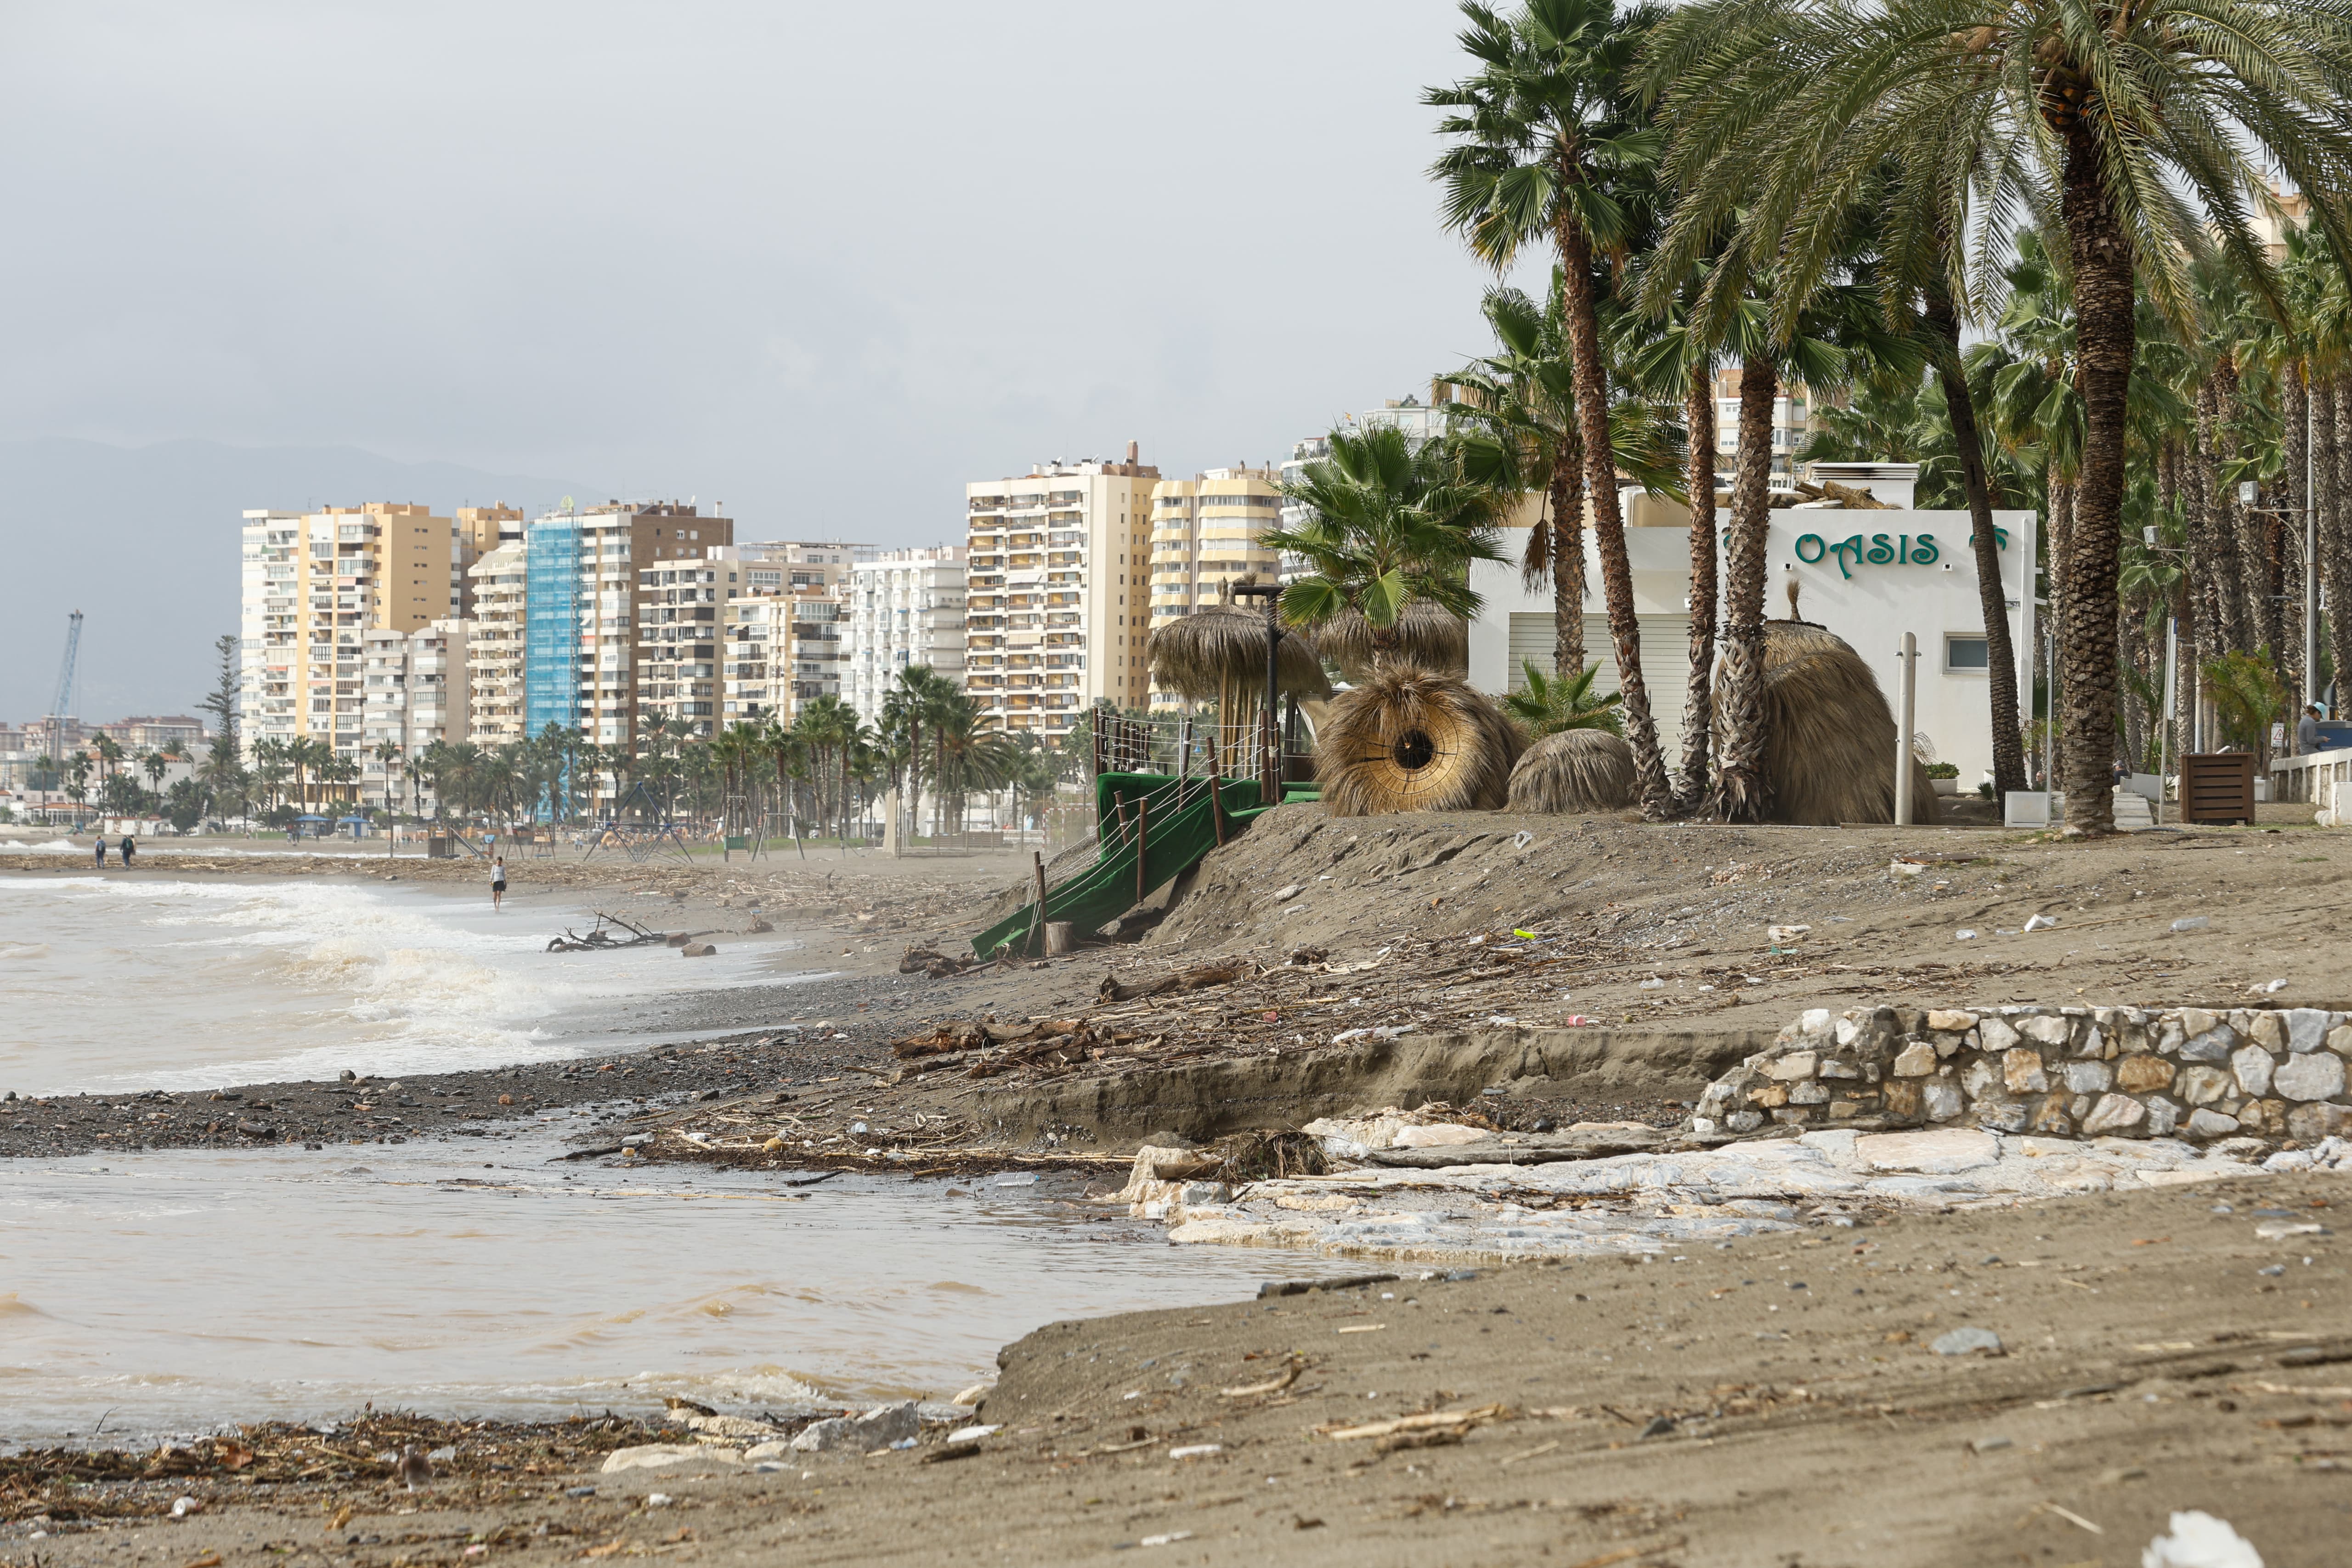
1653 983
1196 1451
2198 1540
2192 922
2041 922
1964 936
2270 989
1967 1342
1785 934
1522 838
1017 1179
185 1506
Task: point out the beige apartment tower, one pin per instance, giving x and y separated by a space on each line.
1205 532
314 585
1057 604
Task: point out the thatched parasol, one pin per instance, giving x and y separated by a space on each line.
1198 656
1409 740
1574 770
1427 636
1829 754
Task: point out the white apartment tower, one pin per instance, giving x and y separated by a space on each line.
494 644
1057 603
417 697
906 608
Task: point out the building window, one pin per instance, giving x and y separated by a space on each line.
1965 655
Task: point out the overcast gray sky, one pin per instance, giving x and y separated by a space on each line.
820 262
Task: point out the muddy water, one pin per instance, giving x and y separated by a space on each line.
147 981
180 1290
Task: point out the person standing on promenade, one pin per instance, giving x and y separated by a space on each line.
497 881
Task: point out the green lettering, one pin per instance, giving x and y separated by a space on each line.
1821 548
1923 550
1851 542
1882 553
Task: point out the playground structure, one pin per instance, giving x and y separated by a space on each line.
1151 827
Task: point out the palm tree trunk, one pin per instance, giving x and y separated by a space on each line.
2001 654
2298 515
2216 529
2104 308
1698 479
2336 525
2257 592
1609 524
1739 793
2061 493
1568 555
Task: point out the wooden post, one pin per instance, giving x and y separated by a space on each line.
1183 755
1058 938
1217 804
1095 732
1142 843
1037 923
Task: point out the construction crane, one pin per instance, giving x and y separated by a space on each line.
61 707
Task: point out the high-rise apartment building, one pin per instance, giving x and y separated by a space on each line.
1057 602
583 576
480 530
494 644
417 696
1204 533
772 611
1793 419
906 608
313 585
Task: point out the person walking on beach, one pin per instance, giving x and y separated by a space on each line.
497 881
129 847
101 851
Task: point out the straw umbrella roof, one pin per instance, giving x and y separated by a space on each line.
1427 637
1216 646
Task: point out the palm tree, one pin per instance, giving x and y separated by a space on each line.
387 757
272 759
1386 523
1553 703
110 756
154 765
2136 117
1552 146
1515 412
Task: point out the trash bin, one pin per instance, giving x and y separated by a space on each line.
2217 786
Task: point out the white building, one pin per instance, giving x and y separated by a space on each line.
1057 608
906 608
494 644
417 696
1867 576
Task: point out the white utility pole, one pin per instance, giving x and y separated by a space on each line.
1904 719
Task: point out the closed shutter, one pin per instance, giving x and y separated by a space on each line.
1665 663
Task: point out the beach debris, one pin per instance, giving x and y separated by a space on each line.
1970 1340
878 1428
697 949
1964 935
603 940
2192 922
1779 935
413 1469
931 961
2041 922
1199 977
184 1506
2197 1540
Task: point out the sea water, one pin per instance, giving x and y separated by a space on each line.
115 982
179 1289
167 1291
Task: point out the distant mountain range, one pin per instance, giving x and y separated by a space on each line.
143 542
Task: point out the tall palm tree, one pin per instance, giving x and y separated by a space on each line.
2146 120
1515 410
1385 524
1552 146
387 758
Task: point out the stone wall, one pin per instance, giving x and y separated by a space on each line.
2062 1072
